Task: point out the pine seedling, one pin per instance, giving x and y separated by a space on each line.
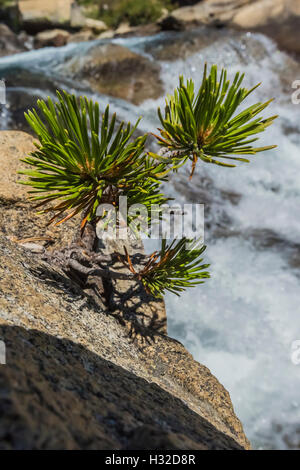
84 159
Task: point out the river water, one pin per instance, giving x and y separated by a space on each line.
242 322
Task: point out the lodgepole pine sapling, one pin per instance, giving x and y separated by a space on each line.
84 159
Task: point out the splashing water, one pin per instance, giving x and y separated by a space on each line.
242 322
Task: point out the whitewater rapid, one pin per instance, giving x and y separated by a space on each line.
242 322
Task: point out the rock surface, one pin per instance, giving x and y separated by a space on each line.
38 14
97 26
205 12
184 3
18 218
115 70
123 28
81 36
9 42
74 378
51 38
279 19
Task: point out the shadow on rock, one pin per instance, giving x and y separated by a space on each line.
56 394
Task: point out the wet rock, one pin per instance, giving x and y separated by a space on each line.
51 38
97 26
74 378
126 30
26 40
115 70
106 34
9 41
142 30
279 19
24 88
80 19
38 15
181 45
81 36
205 12
291 437
77 16
184 3
123 28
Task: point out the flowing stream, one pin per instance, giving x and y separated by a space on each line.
242 322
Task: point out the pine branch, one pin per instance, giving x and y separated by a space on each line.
174 268
206 124
84 159
97 271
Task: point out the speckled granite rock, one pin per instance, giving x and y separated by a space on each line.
74 378
18 218
77 376
9 42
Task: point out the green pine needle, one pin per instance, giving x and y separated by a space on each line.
85 159
174 268
204 125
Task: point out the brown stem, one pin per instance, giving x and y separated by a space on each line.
195 158
87 238
107 273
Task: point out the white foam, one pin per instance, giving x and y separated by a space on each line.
242 322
